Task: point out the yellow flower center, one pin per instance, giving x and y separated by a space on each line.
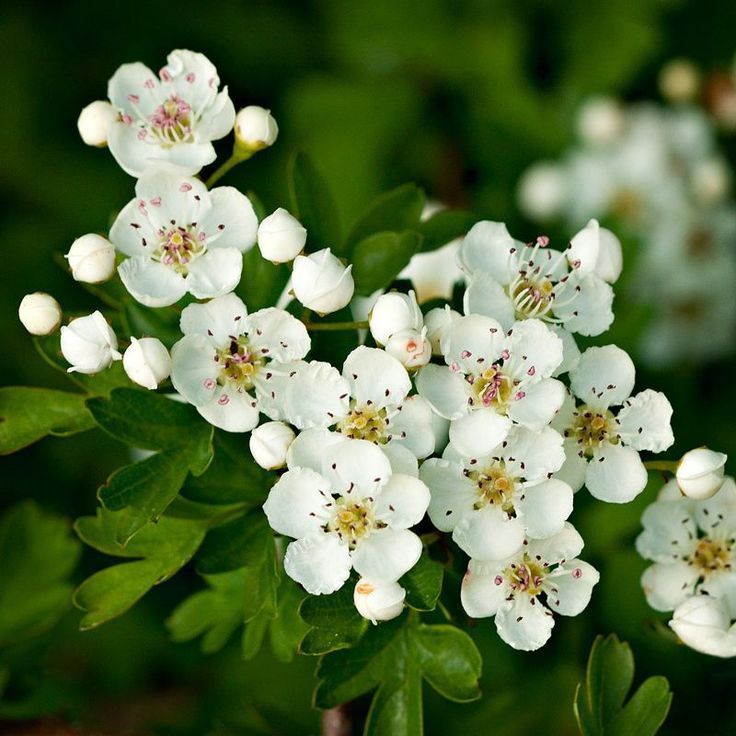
526 576
531 297
178 247
591 428
353 520
712 555
494 486
365 423
238 365
493 388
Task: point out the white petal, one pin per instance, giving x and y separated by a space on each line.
402 460
604 377
134 79
570 586
231 409
703 623
452 494
485 296
545 508
308 449
193 369
218 120
190 157
570 351
387 554
296 505
446 392
167 192
535 454
717 515
666 585
644 422
357 467
615 474
489 247
193 76
525 625
231 219
412 426
574 468
479 432
319 562
483 590
488 534
131 230
375 378
150 282
539 404
474 343
402 502
669 531
534 351
566 545
215 273
282 335
131 153
585 305
220 319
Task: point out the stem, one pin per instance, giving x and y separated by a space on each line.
337 722
667 466
334 326
236 158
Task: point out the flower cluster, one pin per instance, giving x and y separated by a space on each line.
480 418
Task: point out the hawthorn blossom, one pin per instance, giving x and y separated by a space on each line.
692 545
493 380
345 509
39 313
89 344
225 361
523 590
605 430
172 116
181 238
700 473
491 504
704 623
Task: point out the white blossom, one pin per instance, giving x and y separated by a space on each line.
394 312
269 444
172 116
181 238
679 81
378 600
410 347
89 344
321 282
147 362
491 504
91 259
39 313
346 510
602 441
226 360
541 190
281 237
255 128
523 590
704 623
94 123
436 321
600 121
700 473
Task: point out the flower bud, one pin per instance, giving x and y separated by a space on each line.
281 237
436 321
255 129
703 623
394 312
147 362
378 601
541 191
600 121
700 473
39 313
89 344
91 259
595 249
410 347
679 81
711 181
94 123
320 282
269 444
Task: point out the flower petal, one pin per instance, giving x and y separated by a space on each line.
570 586
357 467
533 455
566 545
485 296
446 392
489 247
644 422
277 334
535 351
131 233
479 432
402 459
669 531
375 378
319 562
585 305
604 377
387 554
539 404
231 221
219 319
666 585
488 534
150 282
526 624
452 494
231 409
215 273
412 427
298 504
545 508
574 468
704 624
615 474
402 502
193 369
473 343
483 591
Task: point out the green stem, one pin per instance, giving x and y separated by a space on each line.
237 157
667 466
334 326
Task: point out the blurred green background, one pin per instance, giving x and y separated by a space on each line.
458 96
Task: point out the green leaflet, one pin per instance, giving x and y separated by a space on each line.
378 258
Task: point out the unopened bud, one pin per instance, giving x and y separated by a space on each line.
255 129
39 313
88 344
436 321
147 362
92 259
410 347
700 473
394 312
378 601
281 237
94 123
270 443
679 81
321 282
600 121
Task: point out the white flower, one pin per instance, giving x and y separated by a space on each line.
510 280
89 344
378 600
255 128
436 321
94 123
92 259
491 504
541 190
147 362
493 380
600 121
394 312
39 313
181 238
512 589
269 444
434 273
601 444
320 282
410 347
173 116
704 623
596 250
345 509
281 237
692 546
679 81
711 181
700 473
227 354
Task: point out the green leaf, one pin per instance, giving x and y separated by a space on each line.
378 259
314 205
37 556
28 414
599 700
423 584
398 209
159 551
395 657
163 322
262 281
334 621
287 628
444 227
